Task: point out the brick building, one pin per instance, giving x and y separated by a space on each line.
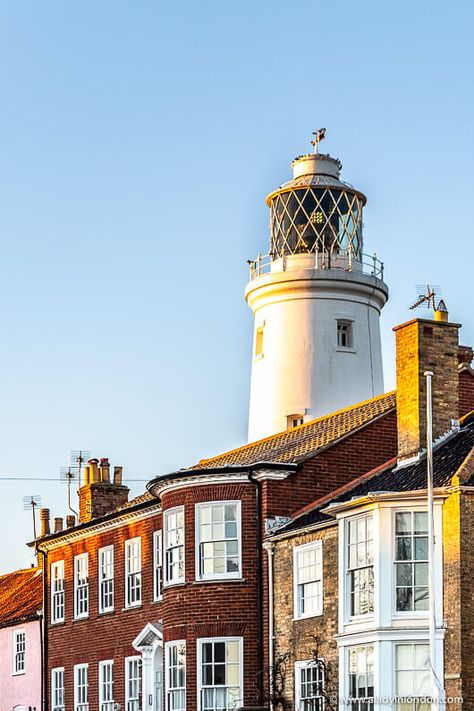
351 621
163 601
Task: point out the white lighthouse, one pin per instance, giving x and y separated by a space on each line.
316 299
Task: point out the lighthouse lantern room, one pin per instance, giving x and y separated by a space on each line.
316 299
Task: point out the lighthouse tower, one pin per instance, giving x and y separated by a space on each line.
316 299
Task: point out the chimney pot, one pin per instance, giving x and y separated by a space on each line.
94 472
58 525
104 469
44 519
70 521
118 475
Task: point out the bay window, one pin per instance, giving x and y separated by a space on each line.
412 673
175 676
157 565
361 678
174 545
360 565
218 540
133 572
220 674
411 561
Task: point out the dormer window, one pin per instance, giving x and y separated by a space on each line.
344 334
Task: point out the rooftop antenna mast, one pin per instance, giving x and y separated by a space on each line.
428 296
73 473
30 503
319 135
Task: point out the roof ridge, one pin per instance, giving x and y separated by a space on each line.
305 425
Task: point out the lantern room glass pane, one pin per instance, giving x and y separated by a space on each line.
322 220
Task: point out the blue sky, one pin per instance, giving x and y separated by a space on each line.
138 142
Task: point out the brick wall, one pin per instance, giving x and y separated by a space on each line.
466 391
424 345
226 608
108 635
299 638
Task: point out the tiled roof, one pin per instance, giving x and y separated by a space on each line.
448 457
300 442
21 596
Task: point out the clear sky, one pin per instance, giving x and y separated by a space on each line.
138 142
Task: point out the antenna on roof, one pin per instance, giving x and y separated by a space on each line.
73 473
428 296
30 503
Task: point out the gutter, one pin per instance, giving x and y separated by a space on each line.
270 548
260 661
44 632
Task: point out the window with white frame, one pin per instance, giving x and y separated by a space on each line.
308 579
294 421
174 545
106 579
106 685
220 674
81 687
309 685
361 678
133 572
19 651
411 561
81 585
57 592
360 565
157 565
218 528
344 334
412 676
175 676
132 683
57 689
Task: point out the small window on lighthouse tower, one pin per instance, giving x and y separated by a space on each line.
259 342
344 334
294 421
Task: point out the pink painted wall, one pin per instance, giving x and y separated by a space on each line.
18 690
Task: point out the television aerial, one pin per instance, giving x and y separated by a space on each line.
31 503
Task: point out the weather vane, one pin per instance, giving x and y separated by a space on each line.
319 135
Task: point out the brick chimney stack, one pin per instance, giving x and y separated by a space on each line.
424 345
99 496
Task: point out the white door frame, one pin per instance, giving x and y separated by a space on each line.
146 643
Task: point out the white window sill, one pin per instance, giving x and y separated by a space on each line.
345 350
227 579
109 611
158 599
174 583
54 623
78 618
19 673
135 606
308 617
